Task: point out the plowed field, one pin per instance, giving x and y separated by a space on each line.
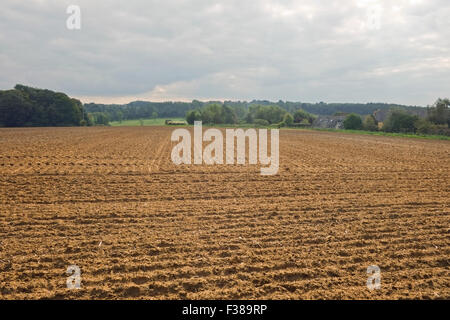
110 201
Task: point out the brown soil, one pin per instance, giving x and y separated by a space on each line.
339 204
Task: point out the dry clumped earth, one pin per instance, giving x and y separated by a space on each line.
110 201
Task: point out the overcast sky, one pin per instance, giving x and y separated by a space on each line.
302 50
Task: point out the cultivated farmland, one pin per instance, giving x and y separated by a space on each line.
110 201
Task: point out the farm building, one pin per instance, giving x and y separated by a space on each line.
329 122
175 122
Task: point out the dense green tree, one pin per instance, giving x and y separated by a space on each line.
249 118
270 113
26 106
119 116
439 113
213 114
370 123
100 118
301 115
192 116
90 119
400 121
423 126
239 110
15 108
353 122
288 119
228 114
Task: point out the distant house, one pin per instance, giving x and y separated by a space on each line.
381 115
329 122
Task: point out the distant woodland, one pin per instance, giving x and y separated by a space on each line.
145 110
26 106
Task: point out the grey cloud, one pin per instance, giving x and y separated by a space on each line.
202 49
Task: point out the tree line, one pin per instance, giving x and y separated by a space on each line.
437 121
262 115
146 110
142 110
26 106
